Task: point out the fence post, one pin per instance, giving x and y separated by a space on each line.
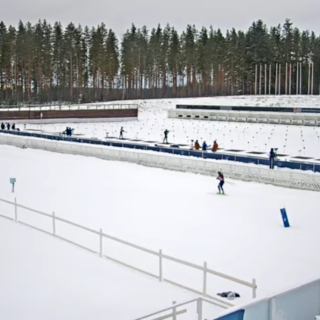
204 290
160 266
53 224
254 289
174 311
199 308
15 210
101 244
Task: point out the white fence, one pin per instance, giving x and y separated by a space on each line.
282 177
300 302
16 216
196 309
251 116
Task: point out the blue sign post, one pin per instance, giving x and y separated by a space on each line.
285 218
13 181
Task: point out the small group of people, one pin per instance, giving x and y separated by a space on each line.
194 145
68 131
8 126
205 147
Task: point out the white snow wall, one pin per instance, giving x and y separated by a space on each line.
281 177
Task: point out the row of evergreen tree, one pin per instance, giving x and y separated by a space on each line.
42 63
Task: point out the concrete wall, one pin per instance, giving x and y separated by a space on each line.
284 178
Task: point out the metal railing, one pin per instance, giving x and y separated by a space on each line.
161 256
175 312
70 107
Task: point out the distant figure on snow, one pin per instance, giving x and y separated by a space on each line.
8 126
191 145
165 139
3 126
221 183
215 146
204 146
121 133
272 155
197 145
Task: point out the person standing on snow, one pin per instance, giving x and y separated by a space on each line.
204 146
121 133
165 139
215 146
221 183
197 145
272 155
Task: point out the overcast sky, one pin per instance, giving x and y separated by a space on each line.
119 14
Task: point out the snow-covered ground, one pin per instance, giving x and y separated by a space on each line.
240 234
153 120
45 278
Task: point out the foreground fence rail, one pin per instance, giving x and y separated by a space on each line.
159 274
299 302
174 312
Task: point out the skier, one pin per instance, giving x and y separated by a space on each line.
221 183
121 133
3 126
165 139
197 145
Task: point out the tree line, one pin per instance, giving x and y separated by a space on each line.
42 63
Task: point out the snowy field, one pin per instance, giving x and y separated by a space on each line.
45 278
247 137
240 234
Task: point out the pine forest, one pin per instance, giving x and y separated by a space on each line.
45 63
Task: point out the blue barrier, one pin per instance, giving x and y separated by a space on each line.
188 153
285 219
236 315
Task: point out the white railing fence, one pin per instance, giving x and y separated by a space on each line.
301 301
99 248
246 172
198 309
